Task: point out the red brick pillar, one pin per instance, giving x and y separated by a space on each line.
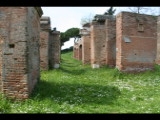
158 42
20 57
136 41
98 45
110 41
86 43
44 42
55 49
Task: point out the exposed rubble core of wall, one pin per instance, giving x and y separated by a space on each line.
19 37
136 41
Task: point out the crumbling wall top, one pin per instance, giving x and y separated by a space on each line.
99 17
39 10
45 20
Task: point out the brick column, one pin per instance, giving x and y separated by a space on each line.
44 42
98 45
55 49
19 39
136 41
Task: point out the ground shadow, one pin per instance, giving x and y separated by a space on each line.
75 93
73 72
72 68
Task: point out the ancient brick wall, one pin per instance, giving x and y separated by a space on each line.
54 49
135 41
80 49
158 42
44 42
86 42
19 31
98 44
75 51
110 24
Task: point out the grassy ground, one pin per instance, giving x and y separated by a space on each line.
77 88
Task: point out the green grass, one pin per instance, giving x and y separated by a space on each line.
77 88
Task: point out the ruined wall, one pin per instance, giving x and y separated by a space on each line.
33 25
135 42
80 49
110 24
54 49
19 31
158 42
75 51
98 44
86 48
44 42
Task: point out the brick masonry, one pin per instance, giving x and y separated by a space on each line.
110 24
158 42
54 49
19 37
128 42
86 44
44 42
136 40
75 50
50 49
98 44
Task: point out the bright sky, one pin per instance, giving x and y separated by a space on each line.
64 18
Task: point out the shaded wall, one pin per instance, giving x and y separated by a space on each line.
44 42
54 49
110 24
158 42
19 31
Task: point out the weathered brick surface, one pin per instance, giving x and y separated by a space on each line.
80 49
86 44
135 41
75 50
19 37
98 45
44 42
158 42
110 24
54 49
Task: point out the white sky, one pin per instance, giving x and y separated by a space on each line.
64 18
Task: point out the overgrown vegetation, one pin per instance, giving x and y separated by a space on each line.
110 11
70 33
77 88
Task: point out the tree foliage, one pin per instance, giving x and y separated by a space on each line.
70 33
87 19
110 11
